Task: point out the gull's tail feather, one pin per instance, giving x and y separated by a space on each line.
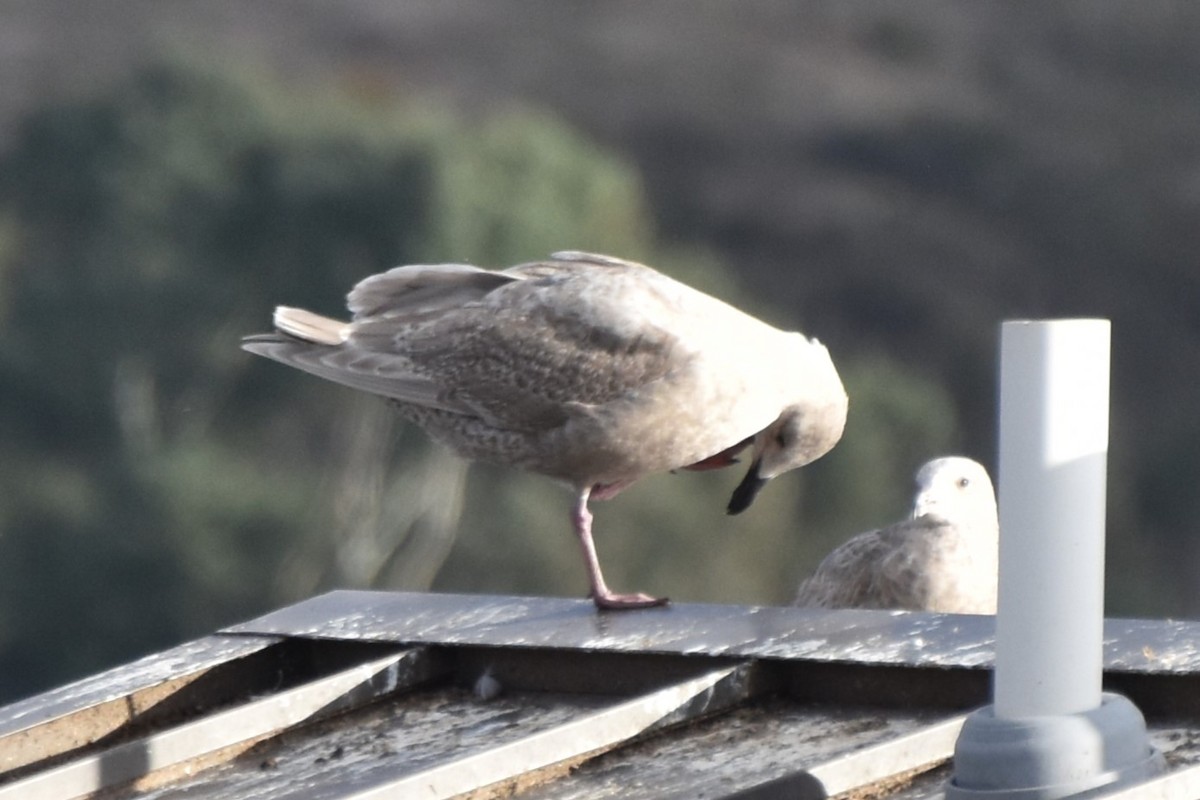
310 327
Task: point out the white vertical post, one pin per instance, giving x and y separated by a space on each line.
1054 382
1050 731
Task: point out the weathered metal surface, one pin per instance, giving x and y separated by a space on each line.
913 639
413 733
765 750
929 785
235 726
903 755
1151 645
446 741
1182 784
1178 741
687 629
568 743
551 699
85 711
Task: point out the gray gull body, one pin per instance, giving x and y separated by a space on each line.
588 369
944 558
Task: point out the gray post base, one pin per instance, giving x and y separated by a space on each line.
1043 758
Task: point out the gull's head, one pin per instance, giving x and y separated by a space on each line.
957 490
803 432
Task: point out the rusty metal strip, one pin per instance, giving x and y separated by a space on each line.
251 721
571 743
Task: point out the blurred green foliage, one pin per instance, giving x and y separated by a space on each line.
159 482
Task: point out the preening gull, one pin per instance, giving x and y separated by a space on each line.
589 369
944 558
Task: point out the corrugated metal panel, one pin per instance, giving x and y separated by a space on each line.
370 695
225 732
773 748
82 713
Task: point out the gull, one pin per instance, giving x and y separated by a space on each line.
944 558
589 369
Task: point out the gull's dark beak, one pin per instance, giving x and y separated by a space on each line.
746 491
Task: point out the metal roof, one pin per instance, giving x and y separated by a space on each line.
370 695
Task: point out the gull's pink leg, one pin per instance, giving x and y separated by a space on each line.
602 596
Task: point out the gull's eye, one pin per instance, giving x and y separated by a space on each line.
964 483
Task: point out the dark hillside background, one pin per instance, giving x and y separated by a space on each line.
894 178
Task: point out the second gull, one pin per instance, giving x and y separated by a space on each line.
944 558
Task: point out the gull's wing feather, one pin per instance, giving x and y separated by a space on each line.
882 568
377 373
419 291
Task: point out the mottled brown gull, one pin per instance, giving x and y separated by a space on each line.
944 558
589 369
